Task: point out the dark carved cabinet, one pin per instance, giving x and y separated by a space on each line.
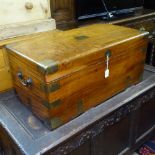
64 13
7 146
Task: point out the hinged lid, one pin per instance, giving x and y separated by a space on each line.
71 50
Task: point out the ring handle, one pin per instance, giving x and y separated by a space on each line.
24 82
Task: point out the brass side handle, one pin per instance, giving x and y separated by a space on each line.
24 82
29 5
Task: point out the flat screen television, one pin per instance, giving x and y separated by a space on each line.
96 8
150 4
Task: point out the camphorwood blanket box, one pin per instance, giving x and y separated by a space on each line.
62 74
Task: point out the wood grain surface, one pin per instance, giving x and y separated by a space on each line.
6 80
79 82
73 44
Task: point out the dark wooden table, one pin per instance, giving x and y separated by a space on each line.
117 126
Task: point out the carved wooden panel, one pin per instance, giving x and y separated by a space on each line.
7 147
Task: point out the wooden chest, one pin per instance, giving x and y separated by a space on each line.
63 74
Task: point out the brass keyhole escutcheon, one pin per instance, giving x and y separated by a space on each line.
108 53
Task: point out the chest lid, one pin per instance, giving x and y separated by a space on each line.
56 52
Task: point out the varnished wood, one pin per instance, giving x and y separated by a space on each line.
25 37
2 61
66 50
5 76
80 55
6 80
69 82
